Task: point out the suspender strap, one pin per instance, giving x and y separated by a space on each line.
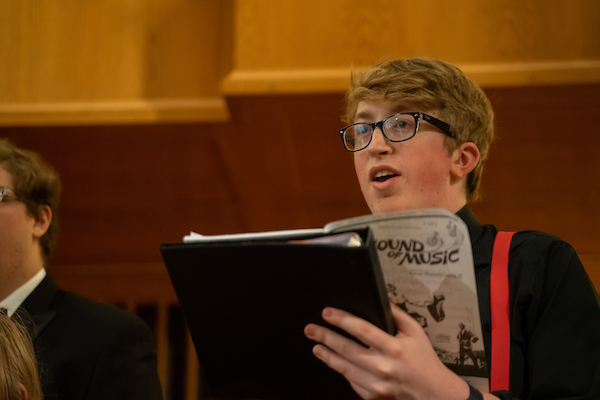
500 309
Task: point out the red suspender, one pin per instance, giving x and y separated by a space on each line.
500 308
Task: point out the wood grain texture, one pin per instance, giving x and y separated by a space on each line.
306 34
337 80
150 111
89 61
279 164
165 61
309 46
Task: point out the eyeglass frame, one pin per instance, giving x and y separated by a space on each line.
6 191
418 116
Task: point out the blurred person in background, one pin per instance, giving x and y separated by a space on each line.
87 350
18 367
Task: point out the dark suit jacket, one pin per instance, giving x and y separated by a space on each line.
90 350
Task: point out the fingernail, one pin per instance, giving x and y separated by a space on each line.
327 311
309 331
317 351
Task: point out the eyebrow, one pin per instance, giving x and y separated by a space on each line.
362 115
395 110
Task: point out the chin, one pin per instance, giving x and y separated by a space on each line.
391 205
379 205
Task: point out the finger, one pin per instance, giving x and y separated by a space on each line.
333 340
360 379
332 359
405 324
366 332
363 378
363 392
362 367
340 352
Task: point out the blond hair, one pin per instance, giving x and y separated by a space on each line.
431 85
18 365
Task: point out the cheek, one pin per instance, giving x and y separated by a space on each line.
358 165
360 169
431 171
12 241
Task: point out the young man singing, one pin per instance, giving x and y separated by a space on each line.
420 132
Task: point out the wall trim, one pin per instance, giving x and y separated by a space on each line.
336 80
111 112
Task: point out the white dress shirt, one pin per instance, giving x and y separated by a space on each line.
14 300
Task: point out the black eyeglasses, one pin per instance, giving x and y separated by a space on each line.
396 128
4 192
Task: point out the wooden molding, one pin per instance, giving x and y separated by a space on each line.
135 111
534 74
299 81
270 82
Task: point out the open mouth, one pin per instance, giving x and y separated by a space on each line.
383 176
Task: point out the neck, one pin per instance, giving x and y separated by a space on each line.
14 276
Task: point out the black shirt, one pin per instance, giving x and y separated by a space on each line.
554 310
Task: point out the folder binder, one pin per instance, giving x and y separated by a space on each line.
246 303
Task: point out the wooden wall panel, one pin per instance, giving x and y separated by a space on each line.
312 34
548 167
279 164
543 170
112 61
162 61
308 45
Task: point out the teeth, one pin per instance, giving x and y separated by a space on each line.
383 173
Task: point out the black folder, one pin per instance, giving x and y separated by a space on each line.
246 303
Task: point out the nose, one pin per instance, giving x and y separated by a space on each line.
379 144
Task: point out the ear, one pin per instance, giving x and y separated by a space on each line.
465 159
43 217
24 390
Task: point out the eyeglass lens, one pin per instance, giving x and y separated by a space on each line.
4 192
396 128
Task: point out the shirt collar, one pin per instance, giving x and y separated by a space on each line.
14 300
475 228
